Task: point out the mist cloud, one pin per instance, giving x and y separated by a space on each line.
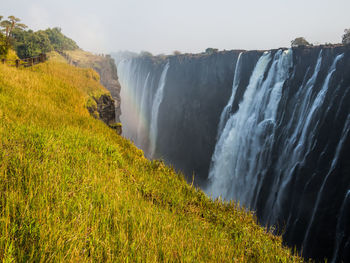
161 26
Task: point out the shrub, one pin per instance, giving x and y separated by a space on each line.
346 37
300 41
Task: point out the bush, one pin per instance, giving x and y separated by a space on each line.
59 41
346 37
3 47
146 54
300 41
29 43
210 50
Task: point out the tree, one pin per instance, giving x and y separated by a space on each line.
210 50
9 25
346 37
59 41
3 46
176 53
146 54
28 43
300 41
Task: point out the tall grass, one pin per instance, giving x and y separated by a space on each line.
72 190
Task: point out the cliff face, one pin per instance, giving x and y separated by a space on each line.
196 91
102 107
107 70
269 129
104 65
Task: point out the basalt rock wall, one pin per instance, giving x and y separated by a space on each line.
270 129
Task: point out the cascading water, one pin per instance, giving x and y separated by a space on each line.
140 107
155 110
237 155
314 108
242 159
141 127
227 110
275 137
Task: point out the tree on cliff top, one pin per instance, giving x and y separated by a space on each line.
59 41
300 41
346 37
2 40
210 50
6 29
9 25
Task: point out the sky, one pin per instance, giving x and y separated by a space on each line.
163 26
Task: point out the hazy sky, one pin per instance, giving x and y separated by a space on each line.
162 26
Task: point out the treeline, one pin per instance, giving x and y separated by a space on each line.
29 43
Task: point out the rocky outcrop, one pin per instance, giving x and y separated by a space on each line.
107 70
104 65
103 108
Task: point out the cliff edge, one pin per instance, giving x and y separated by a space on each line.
104 65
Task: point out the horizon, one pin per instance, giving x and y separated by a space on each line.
161 27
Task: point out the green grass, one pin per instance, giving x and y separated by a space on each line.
72 190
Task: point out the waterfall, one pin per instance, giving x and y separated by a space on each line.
294 145
140 108
142 126
134 93
236 156
318 102
270 130
155 110
227 110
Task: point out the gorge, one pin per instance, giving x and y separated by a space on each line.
269 129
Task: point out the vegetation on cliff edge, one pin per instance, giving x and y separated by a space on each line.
73 190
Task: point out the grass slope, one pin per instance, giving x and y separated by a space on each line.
73 190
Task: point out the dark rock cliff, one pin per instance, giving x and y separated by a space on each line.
197 89
301 174
107 70
103 108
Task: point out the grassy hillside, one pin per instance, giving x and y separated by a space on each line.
73 190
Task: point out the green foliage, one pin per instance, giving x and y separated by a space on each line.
28 43
300 41
7 27
346 37
3 47
146 54
210 50
59 41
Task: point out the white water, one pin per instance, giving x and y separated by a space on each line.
294 146
155 110
264 148
236 158
318 103
141 127
226 112
126 71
